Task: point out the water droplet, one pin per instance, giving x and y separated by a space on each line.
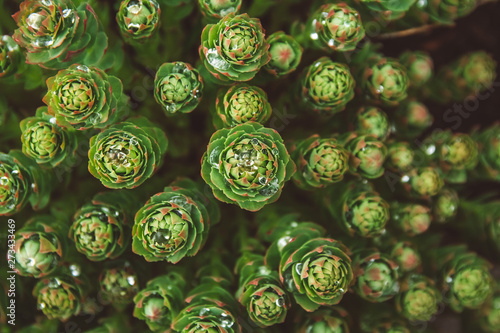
179 67
430 150
15 172
225 320
52 120
131 280
34 20
41 306
83 68
66 12
214 157
75 270
4 181
54 283
171 108
226 11
331 42
263 180
298 268
276 152
405 179
46 2
283 241
204 312
181 202
160 237
43 41
30 262
255 141
341 290
134 7
216 60
280 302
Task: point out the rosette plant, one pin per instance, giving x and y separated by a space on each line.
178 87
445 205
485 231
422 182
101 228
411 119
85 97
23 181
138 20
469 75
327 320
209 306
465 277
56 34
174 224
215 10
488 141
10 57
118 284
286 54
413 219
40 247
334 27
389 9
366 155
61 296
45 142
406 256
447 11
320 162
247 165
314 269
160 302
400 156
456 153
240 104
420 67
383 80
260 291
377 275
327 86
488 315
234 49
372 121
418 299
128 153
358 208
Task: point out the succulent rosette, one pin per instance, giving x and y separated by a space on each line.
178 87
247 165
235 48
40 246
400 156
160 302
327 86
456 153
10 57
210 307
446 11
411 119
325 320
85 97
314 269
377 275
445 205
412 219
418 299
56 34
489 314
384 81
406 256
216 9
488 141
388 8
260 291
138 20
118 284
366 155
44 141
239 104
485 231
286 54
22 180
335 27
174 224
320 162
371 120
465 277
420 67
469 75
100 228
422 182
60 296
128 153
